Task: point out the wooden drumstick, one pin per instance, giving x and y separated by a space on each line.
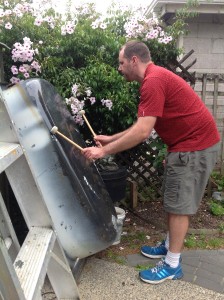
54 130
82 113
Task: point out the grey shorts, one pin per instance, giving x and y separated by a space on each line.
185 178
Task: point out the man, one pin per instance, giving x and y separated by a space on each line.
168 104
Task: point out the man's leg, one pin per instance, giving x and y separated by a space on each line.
178 227
185 178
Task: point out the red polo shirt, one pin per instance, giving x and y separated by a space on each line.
184 123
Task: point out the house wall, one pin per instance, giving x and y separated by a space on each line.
206 38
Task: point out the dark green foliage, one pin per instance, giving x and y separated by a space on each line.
88 57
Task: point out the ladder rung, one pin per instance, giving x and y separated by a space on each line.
9 152
33 258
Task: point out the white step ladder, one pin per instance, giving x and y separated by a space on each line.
23 270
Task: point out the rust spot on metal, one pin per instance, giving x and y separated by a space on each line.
19 264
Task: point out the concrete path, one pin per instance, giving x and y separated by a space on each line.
203 279
202 267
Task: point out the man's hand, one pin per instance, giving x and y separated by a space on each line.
93 153
102 140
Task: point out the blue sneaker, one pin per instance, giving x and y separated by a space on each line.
155 252
160 273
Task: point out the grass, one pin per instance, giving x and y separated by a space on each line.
136 237
219 180
217 209
221 228
115 257
203 242
144 267
131 243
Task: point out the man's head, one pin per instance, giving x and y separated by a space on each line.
134 57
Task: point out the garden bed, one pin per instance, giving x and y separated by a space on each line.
146 225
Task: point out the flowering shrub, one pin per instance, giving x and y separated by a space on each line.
24 53
139 26
77 52
78 105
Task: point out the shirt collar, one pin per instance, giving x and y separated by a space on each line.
148 69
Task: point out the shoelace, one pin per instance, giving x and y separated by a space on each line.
157 245
158 266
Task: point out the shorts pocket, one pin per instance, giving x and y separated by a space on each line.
184 157
177 162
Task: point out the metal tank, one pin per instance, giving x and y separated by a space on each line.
80 208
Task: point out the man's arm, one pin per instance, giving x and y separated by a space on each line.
106 139
131 137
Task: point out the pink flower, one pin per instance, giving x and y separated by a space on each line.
70 30
38 21
22 69
103 26
63 30
17 12
26 46
1 13
8 25
14 70
17 45
52 25
26 75
79 120
92 100
75 89
49 19
26 7
94 25
27 40
8 12
108 103
74 109
36 65
14 80
29 55
88 92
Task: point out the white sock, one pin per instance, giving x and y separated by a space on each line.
172 259
167 241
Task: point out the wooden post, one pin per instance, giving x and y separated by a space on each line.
133 194
2 77
222 151
209 188
1 65
204 82
216 89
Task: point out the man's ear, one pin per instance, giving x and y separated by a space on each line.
134 59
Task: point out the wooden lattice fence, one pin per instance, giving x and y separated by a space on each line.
177 68
210 87
140 162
